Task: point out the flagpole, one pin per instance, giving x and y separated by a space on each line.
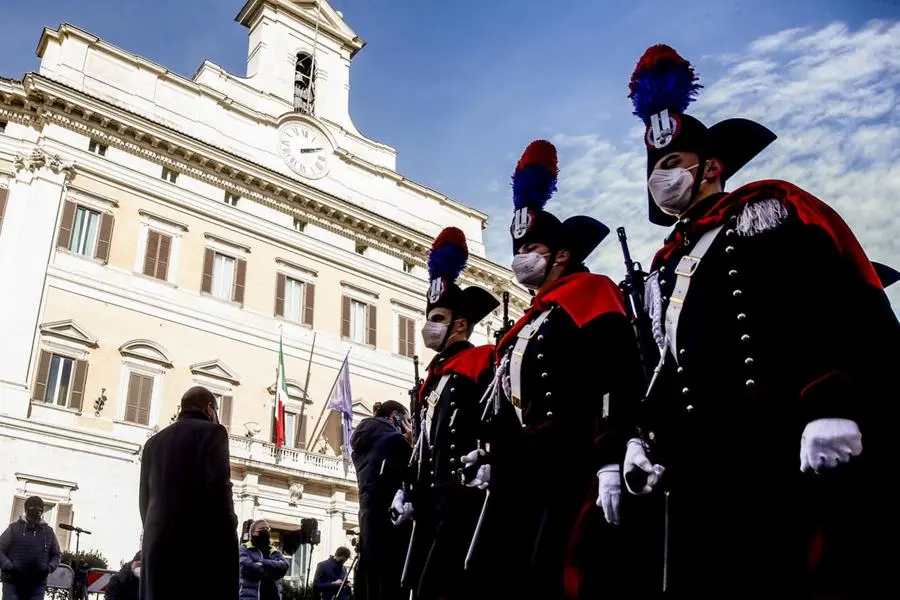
327 398
306 385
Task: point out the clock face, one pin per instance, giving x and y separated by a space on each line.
305 150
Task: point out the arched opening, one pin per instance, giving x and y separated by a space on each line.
304 84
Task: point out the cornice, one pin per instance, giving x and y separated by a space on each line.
39 100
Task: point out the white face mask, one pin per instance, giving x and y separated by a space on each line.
137 572
530 269
433 334
671 189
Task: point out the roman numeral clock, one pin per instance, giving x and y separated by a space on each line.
305 149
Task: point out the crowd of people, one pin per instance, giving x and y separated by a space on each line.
739 391
717 426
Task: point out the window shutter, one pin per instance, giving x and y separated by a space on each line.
40 378
345 316
206 284
225 412
279 294
104 239
309 303
18 509
66 224
300 437
162 258
4 194
402 331
239 280
372 321
132 399
145 398
151 253
63 515
77 399
410 337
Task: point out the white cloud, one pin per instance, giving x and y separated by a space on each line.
830 95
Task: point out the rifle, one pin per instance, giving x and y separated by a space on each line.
507 322
414 467
633 289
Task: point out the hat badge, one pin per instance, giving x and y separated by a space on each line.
435 290
522 219
662 130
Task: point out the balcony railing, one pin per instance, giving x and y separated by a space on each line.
249 449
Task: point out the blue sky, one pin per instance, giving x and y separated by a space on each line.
459 88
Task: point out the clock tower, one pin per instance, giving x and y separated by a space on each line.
299 54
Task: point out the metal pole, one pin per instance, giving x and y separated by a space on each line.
328 397
306 386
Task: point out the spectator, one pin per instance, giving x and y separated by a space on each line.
185 500
125 585
29 552
262 568
330 575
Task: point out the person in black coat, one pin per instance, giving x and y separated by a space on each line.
186 502
381 453
769 430
568 383
446 511
331 575
126 584
29 552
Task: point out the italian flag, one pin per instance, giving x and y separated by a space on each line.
281 396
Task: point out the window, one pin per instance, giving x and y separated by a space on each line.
294 299
294 429
299 225
85 231
224 276
4 195
361 248
157 255
3 125
304 84
358 321
55 513
97 148
169 175
231 199
406 342
60 380
224 404
408 266
138 400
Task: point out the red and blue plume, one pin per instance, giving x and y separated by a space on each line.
662 80
534 180
448 255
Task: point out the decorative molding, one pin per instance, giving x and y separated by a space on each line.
294 390
361 408
296 493
165 221
146 350
216 369
76 194
48 481
70 330
299 268
354 289
39 159
418 310
221 241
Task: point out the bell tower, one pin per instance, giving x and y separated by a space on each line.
300 52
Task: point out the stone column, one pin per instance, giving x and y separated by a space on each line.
247 507
335 524
26 247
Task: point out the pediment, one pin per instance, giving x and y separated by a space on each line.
216 369
146 350
71 331
329 21
361 408
294 390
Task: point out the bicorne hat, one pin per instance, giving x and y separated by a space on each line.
447 258
533 183
662 86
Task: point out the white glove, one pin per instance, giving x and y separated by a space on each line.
827 442
636 459
404 509
483 476
609 492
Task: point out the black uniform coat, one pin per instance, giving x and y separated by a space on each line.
547 534
190 545
381 456
450 510
784 323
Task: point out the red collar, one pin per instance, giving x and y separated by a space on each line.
469 363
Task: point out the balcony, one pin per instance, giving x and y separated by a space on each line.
266 456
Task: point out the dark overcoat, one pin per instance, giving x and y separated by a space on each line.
187 510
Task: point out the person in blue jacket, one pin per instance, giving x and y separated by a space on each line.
330 576
262 567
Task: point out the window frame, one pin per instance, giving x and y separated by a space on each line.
150 222
131 365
